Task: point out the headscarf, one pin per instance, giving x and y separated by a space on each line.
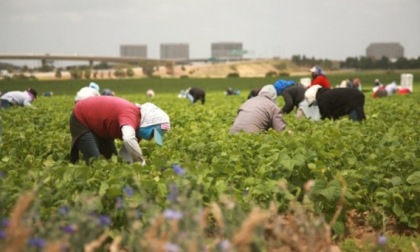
281 85
94 86
269 91
317 70
153 119
33 92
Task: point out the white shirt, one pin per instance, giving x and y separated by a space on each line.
86 92
21 98
391 88
130 151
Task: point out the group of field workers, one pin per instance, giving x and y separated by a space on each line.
99 118
315 101
381 90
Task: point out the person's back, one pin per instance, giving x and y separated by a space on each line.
197 94
292 95
391 88
259 114
334 103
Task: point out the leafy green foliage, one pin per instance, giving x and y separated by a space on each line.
378 158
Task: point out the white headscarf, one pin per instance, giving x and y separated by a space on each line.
269 91
152 115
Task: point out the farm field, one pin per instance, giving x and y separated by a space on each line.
201 189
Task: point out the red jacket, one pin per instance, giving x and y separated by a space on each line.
321 80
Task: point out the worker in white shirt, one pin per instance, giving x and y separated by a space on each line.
18 98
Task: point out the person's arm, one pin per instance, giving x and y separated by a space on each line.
131 145
288 102
278 122
27 103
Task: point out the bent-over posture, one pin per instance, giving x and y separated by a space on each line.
259 113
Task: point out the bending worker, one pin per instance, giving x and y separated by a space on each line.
259 113
96 122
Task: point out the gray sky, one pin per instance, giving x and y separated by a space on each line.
325 29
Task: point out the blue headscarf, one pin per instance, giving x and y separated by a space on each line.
281 85
146 132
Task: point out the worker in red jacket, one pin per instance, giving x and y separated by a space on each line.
319 78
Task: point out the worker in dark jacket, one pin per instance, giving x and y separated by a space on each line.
195 94
334 103
293 96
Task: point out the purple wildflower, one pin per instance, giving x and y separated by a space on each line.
5 223
128 191
2 235
36 242
172 214
173 192
119 204
178 169
104 221
70 229
382 240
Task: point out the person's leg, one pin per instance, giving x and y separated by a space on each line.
4 104
88 145
107 147
357 115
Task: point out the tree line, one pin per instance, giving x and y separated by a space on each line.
362 63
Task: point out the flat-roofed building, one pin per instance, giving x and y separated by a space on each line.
392 51
227 50
133 51
174 51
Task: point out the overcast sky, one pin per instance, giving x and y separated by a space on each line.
325 29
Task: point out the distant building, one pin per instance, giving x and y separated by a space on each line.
392 51
133 51
174 51
227 50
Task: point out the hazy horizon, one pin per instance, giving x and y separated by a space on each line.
324 29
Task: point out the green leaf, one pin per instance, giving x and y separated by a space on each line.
414 179
103 188
312 166
133 201
396 209
396 181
